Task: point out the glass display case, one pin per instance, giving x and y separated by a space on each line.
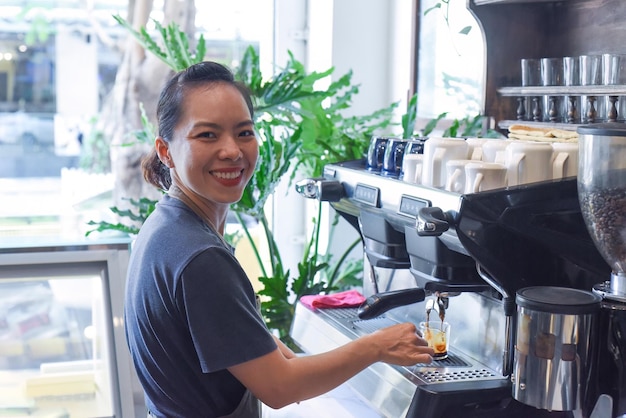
62 347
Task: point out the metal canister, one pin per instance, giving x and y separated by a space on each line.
553 350
392 160
376 153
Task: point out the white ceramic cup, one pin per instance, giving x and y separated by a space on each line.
494 150
528 162
475 148
455 175
437 152
481 176
412 168
564 159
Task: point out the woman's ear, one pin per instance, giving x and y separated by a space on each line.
163 151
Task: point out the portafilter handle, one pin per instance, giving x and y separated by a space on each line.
321 189
380 303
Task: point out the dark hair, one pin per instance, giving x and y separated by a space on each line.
169 109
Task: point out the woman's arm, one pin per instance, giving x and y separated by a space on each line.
287 352
279 381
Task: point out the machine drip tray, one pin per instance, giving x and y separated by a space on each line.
387 388
348 316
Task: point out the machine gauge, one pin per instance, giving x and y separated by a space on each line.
367 194
409 206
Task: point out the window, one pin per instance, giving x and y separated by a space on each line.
450 61
56 70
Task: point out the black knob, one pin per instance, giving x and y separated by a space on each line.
330 191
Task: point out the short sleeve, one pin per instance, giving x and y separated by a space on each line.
219 304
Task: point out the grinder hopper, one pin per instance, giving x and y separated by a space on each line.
602 196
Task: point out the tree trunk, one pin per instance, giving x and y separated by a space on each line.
139 79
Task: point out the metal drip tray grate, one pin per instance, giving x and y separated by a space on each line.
435 375
349 317
451 361
451 369
340 313
370 325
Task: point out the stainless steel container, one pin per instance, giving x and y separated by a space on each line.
552 350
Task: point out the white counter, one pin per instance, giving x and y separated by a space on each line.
342 402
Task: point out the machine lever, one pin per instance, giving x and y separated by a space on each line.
321 189
432 221
380 303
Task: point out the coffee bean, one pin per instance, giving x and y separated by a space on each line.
604 211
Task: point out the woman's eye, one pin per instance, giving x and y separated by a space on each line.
246 133
206 134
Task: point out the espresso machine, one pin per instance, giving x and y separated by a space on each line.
467 256
602 194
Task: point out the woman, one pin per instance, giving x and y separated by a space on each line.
198 341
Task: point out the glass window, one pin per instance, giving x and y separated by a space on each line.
450 60
57 67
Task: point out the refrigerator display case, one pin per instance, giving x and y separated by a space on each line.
63 351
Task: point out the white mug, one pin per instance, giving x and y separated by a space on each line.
455 175
528 162
482 175
412 168
564 159
494 150
438 151
475 148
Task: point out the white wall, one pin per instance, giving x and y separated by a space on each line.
370 37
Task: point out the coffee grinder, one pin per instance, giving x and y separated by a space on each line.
602 196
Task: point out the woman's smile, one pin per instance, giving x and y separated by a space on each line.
228 176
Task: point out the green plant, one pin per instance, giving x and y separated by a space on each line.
444 6
311 135
299 128
143 206
177 54
467 127
470 127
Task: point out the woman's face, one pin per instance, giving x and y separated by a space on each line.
214 149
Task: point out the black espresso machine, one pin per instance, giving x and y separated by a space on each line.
465 255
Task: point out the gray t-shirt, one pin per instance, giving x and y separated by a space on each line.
190 313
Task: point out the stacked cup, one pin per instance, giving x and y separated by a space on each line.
552 75
585 70
614 72
571 77
476 165
590 75
530 77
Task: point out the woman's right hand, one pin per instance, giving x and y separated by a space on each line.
402 345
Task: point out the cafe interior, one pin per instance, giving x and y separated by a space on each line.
484 200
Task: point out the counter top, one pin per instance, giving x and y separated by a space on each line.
342 402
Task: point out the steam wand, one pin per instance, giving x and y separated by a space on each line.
509 311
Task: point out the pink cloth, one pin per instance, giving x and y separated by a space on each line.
347 299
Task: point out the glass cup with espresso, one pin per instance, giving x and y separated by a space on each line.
437 333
